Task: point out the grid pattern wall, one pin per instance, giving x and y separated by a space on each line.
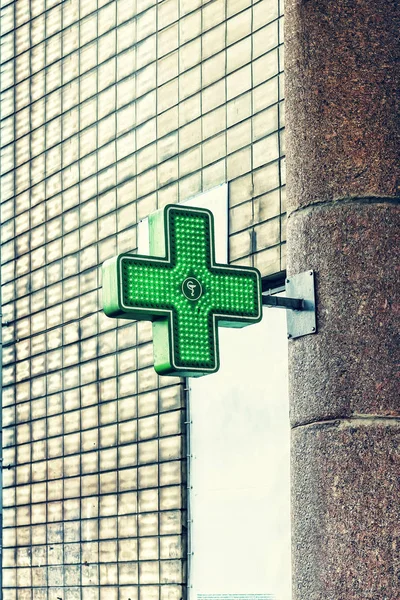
110 110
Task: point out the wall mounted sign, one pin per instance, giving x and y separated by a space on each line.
183 291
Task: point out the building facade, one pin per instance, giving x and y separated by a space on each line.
109 111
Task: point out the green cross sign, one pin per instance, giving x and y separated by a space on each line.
183 291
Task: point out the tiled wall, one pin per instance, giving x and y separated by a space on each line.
110 110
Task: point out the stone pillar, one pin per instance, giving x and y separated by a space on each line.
343 163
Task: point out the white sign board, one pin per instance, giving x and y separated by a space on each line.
239 473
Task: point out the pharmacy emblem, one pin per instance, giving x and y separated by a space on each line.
182 290
192 288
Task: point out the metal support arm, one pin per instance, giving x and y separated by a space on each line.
301 313
280 302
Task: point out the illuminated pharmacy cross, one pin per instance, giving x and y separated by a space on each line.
185 293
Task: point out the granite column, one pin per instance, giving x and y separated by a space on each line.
343 206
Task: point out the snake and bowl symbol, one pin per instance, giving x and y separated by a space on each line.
192 288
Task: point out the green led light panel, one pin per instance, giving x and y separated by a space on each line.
182 291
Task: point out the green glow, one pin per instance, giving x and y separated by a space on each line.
185 293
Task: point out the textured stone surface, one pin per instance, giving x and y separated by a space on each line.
349 367
343 172
346 510
341 81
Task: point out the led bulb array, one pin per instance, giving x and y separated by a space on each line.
154 289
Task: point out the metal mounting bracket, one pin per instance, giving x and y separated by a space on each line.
300 304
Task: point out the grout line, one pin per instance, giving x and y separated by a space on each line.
350 421
344 201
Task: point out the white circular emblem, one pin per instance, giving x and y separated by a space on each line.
191 288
